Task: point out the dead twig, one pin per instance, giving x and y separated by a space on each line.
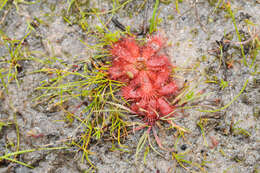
198 18
4 16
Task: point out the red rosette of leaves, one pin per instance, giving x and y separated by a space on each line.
146 73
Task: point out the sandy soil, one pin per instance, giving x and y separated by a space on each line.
231 142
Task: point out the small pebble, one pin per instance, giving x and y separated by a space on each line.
184 147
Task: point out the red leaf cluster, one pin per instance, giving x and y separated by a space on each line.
146 74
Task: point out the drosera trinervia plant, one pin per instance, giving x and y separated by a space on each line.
96 93
146 74
147 77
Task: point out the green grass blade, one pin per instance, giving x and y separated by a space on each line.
141 143
227 105
153 23
3 4
237 32
7 156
